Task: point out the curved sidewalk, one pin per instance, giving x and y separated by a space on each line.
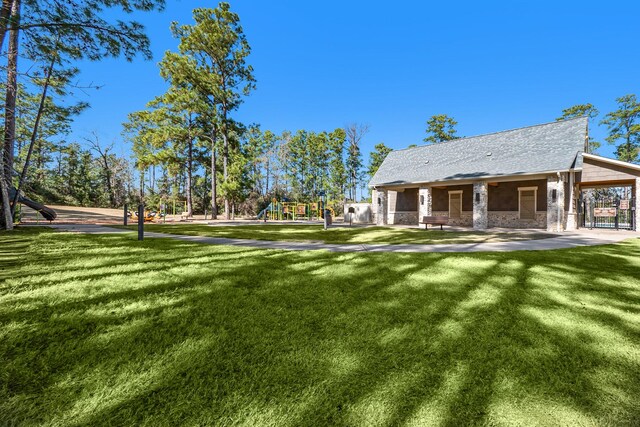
566 240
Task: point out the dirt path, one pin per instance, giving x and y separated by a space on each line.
82 215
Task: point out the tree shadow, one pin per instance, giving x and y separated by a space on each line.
221 335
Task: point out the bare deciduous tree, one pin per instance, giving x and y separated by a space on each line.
355 132
105 159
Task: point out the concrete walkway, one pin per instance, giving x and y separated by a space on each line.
565 240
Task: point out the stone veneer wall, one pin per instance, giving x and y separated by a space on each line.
424 208
465 220
570 203
405 218
480 209
511 219
380 203
555 207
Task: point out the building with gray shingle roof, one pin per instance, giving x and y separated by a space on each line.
549 147
521 178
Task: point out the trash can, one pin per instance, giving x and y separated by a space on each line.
327 215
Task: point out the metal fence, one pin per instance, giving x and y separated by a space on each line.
607 211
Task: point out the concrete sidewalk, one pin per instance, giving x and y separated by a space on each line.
566 240
85 228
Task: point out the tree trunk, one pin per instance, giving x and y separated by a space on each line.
6 219
5 12
214 187
108 175
628 155
153 178
40 162
141 185
190 178
34 134
11 95
204 193
267 183
60 162
225 160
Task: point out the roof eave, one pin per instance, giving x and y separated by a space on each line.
480 178
611 161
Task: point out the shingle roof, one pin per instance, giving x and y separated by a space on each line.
534 149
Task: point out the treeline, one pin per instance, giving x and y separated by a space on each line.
44 41
59 171
186 142
185 145
78 176
298 166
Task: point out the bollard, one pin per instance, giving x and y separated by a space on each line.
126 214
327 218
141 221
352 210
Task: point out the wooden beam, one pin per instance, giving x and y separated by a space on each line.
605 184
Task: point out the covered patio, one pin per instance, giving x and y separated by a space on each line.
529 178
538 202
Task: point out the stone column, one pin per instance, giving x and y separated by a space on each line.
380 203
636 197
555 208
561 202
572 220
480 205
374 206
425 203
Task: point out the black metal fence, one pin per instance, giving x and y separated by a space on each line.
607 211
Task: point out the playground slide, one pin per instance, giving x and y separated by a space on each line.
264 211
48 213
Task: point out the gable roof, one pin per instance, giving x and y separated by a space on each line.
616 162
548 147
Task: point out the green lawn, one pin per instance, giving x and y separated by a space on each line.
105 330
366 235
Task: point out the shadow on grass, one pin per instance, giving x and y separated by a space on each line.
98 330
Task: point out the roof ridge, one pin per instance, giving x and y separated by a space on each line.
493 133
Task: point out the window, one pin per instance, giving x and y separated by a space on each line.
407 200
527 202
455 204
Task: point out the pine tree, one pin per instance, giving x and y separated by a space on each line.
440 128
624 126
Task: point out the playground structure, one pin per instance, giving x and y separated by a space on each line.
148 215
175 207
46 212
282 211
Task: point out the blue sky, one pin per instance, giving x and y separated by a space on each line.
391 65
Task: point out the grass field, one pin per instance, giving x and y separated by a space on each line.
105 330
361 235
